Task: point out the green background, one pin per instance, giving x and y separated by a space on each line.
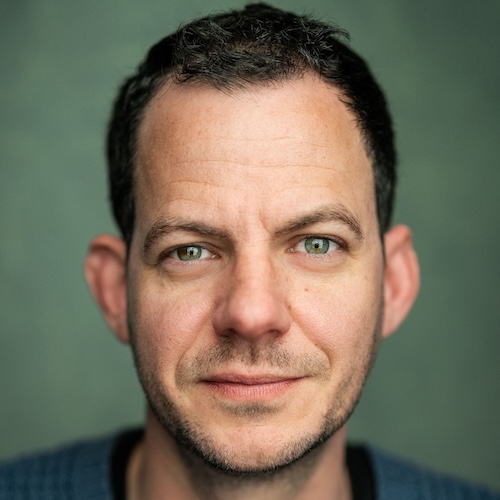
434 394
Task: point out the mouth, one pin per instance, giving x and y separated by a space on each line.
250 388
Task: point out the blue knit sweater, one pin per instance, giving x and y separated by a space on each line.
82 472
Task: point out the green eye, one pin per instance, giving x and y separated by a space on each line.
189 253
317 246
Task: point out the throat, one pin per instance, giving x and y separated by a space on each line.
284 482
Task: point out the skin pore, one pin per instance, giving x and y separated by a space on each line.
255 293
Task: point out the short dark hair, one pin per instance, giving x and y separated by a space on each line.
253 46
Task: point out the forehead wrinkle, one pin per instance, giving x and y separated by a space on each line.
235 164
150 185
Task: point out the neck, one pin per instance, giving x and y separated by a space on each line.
160 468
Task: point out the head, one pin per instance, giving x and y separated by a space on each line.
252 175
254 47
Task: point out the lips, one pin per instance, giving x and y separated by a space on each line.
232 378
250 387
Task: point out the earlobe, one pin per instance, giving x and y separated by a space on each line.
105 271
401 277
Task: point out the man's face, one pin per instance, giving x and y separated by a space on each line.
255 276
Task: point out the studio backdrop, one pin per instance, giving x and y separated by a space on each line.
434 395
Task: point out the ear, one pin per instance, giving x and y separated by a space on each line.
401 277
105 270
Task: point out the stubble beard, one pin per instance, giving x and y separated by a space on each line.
196 448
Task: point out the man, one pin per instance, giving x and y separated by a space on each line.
252 174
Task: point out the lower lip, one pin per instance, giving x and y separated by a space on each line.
255 392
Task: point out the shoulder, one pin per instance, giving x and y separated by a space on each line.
397 479
77 471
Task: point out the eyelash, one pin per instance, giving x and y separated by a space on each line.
168 253
340 243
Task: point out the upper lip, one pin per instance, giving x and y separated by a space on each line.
245 379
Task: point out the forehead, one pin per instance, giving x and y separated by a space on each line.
295 108
281 142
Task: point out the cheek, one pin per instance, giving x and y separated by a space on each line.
166 325
341 316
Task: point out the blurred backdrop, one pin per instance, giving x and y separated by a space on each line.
434 394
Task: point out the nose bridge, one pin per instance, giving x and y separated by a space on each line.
254 301
254 271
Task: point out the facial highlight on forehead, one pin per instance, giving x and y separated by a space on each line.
178 107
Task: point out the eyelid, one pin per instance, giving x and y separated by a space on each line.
168 252
339 242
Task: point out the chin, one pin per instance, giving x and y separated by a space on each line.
258 460
259 450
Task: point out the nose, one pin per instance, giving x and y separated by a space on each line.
253 302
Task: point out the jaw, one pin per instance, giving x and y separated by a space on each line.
173 467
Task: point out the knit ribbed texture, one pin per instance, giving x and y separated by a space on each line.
77 472
398 480
82 472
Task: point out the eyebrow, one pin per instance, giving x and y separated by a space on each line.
328 213
338 213
165 226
